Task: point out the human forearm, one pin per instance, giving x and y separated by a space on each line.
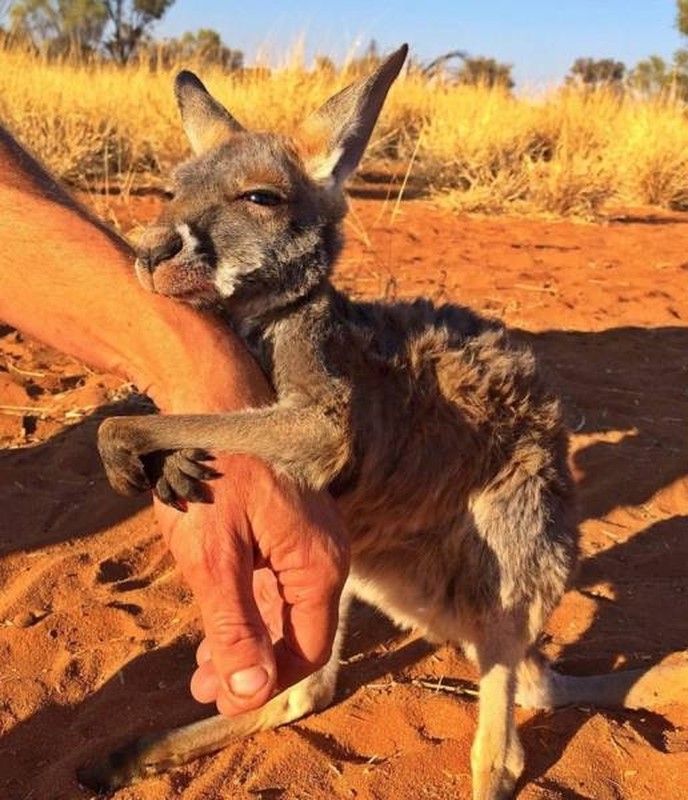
70 283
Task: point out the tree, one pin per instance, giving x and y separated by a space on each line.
682 16
593 73
131 22
207 47
653 76
650 76
59 26
117 27
203 47
482 71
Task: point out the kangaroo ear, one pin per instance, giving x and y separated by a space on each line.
333 139
206 122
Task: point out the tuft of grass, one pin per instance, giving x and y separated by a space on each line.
98 125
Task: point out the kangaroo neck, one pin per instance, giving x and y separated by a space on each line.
296 325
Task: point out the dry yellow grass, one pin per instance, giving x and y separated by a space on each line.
567 153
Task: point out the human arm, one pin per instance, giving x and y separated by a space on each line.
68 281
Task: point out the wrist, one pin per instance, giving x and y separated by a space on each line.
192 363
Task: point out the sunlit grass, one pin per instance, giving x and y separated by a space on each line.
567 153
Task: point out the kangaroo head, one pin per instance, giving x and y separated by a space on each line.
255 217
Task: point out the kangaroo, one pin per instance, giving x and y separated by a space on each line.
444 448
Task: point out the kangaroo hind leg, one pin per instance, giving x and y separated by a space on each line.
157 753
497 755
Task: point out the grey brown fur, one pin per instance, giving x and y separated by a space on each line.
445 450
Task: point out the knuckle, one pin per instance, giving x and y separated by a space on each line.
333 576
335 568
229 627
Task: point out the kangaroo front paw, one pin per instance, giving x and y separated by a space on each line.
124 468
183 476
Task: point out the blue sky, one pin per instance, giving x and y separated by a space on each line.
541 38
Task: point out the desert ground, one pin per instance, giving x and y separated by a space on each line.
97 631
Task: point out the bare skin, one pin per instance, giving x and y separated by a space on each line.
265 562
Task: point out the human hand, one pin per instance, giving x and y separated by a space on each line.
83 282
266 563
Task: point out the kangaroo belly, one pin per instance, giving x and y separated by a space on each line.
419 576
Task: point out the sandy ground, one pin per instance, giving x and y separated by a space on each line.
97 632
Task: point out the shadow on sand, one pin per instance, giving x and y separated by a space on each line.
629 382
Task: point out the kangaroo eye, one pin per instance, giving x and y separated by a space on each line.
263 197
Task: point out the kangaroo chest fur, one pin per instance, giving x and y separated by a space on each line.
437 413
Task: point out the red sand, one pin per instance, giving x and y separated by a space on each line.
97 632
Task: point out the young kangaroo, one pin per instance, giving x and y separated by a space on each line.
446 452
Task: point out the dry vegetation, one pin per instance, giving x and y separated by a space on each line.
569 152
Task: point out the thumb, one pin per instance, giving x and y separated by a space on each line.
237 666
236 663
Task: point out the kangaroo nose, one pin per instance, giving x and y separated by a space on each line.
150 257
